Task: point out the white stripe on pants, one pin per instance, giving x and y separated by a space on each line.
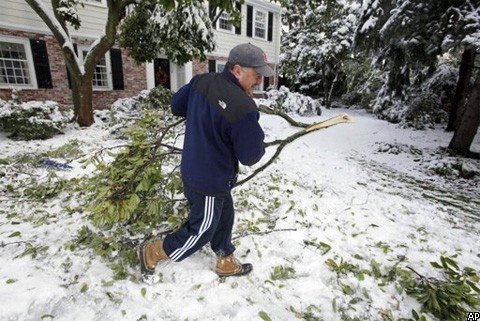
192 240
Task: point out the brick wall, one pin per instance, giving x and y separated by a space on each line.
134 77
199 67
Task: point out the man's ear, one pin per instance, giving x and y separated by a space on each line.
236 71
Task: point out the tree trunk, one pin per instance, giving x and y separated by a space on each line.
398 77
468 126
326 101
82 102
465 73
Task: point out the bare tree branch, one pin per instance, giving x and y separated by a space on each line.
265 232
343 118
290 120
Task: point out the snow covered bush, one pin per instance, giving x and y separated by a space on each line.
425 111
290 102
126 110
423 107
32 120
430 106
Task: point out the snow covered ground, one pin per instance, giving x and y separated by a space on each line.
363 193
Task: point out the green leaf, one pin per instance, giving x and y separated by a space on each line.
143 292
264 316
444 262
473 286
84 288
346 289
10 281
452 263
14 234
376 269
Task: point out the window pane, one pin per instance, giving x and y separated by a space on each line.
223 22
100 76
220 67
13 64
260 23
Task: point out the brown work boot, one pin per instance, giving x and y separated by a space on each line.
150 254
229 266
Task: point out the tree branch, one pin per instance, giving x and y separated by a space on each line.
55 26
267 110
343 118
264 233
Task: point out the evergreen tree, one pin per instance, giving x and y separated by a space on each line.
407 38
318 42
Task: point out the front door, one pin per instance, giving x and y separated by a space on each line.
161 68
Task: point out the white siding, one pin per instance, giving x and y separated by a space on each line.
226 40
17 14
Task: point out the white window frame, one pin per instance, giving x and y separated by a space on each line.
220 65
180 76
97 3
254 22
225 17
108 66
30 63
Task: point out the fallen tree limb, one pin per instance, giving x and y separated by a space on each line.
339 119
267 110
264 233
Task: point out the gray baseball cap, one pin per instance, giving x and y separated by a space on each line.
248 55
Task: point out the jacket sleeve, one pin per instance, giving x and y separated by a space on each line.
179 101
247 137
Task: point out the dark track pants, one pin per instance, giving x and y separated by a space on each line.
211 220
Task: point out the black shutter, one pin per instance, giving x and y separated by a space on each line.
249 20
238 30
266 83
270 26
212 66
117 68
40 61
68 72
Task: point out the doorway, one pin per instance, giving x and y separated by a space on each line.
161 69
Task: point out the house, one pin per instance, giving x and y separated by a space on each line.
31 60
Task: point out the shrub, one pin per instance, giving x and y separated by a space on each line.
421 106
424 111
32 120
286 101
126 111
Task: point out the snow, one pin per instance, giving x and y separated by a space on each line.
340 186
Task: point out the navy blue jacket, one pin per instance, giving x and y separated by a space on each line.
221 129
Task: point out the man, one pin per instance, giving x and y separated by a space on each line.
221 129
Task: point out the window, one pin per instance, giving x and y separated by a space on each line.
16 64
180 76
223 22
101 79
220 66
260 24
